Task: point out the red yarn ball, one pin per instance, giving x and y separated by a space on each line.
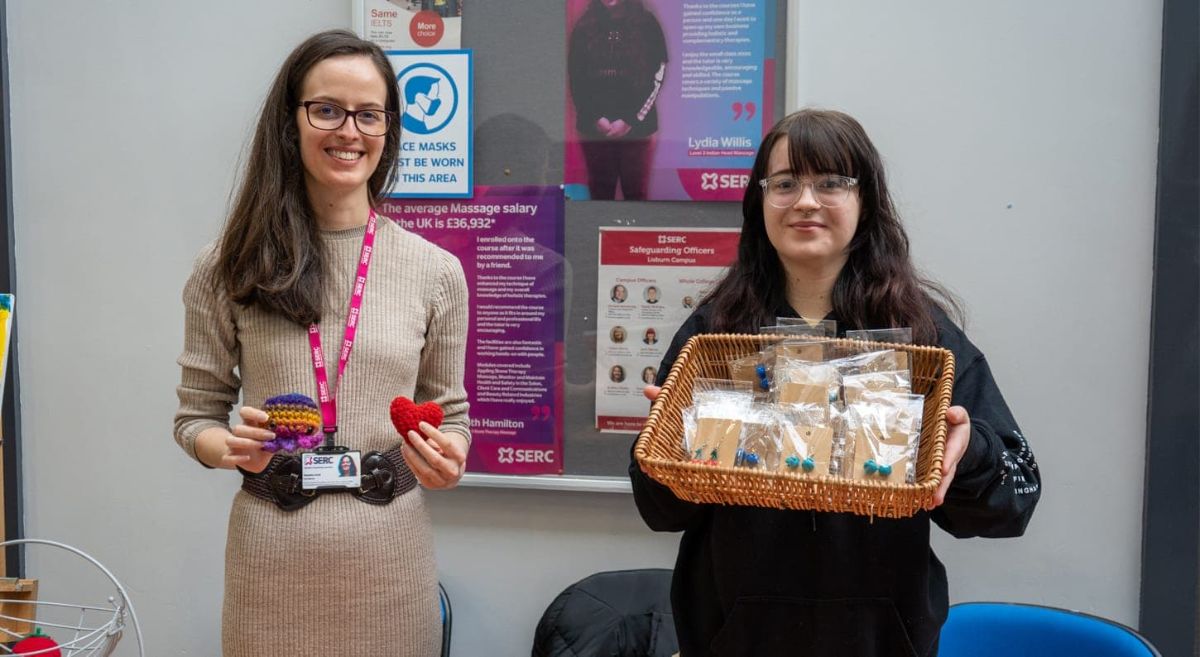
35 643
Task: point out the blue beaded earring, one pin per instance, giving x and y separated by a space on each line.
871 467
761 371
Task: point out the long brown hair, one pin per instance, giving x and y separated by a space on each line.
270 254
878 287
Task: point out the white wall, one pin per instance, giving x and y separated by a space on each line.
127 121
1021 139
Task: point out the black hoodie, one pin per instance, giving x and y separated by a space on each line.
767 583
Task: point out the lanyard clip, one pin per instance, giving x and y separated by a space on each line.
329 432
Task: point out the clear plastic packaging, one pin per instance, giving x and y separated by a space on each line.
883 434
826 328
892 335
808 349
757 370
760 447
803 382
806 439
855 385
886 360
712 425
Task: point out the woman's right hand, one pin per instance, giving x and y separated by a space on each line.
651 392
239 447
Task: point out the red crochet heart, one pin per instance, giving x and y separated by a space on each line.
406 415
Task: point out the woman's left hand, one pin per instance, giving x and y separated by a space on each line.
958 435
618 129
437 459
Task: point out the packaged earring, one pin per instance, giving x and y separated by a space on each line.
806 349
805 438
759 447
886 360
803 382
713 423
757 370
883 436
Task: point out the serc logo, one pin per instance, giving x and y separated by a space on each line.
510 455
505 455
714 181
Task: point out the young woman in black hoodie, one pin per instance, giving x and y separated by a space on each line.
821 238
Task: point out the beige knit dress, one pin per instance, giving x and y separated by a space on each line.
340 576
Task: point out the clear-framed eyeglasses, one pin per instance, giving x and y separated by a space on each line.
324 115
830 191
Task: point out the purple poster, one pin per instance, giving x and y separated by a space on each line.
666 100
510 243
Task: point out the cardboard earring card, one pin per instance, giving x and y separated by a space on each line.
883 434
755 370
886 457
760 446
805 350
713 423
807 449
801 382
717 440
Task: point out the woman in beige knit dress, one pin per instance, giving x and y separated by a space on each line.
285 266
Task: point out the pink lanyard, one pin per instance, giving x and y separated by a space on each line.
325 395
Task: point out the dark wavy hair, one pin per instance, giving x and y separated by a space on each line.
878 287
270 254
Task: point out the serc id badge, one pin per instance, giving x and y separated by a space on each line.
331 468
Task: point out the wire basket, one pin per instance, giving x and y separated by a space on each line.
660 453
81 630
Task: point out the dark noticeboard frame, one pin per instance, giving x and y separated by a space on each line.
1170 602
520 103
14 527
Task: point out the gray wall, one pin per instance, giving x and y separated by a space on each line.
1021 139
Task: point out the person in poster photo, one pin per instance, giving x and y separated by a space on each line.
689 302
617 334
650 337
821 238
616 374
322 158
619 294
648 376
651 294
616 64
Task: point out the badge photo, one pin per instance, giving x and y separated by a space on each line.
331 469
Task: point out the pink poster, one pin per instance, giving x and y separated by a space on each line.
666 100
510 243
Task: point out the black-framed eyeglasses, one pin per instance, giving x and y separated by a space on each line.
324 115
830 191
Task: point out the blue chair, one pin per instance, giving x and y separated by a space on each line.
1000 629
447 618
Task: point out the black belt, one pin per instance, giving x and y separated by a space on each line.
385 477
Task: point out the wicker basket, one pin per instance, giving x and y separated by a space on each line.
660 452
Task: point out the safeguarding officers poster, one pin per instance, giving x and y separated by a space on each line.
510 243
666 99
650 281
